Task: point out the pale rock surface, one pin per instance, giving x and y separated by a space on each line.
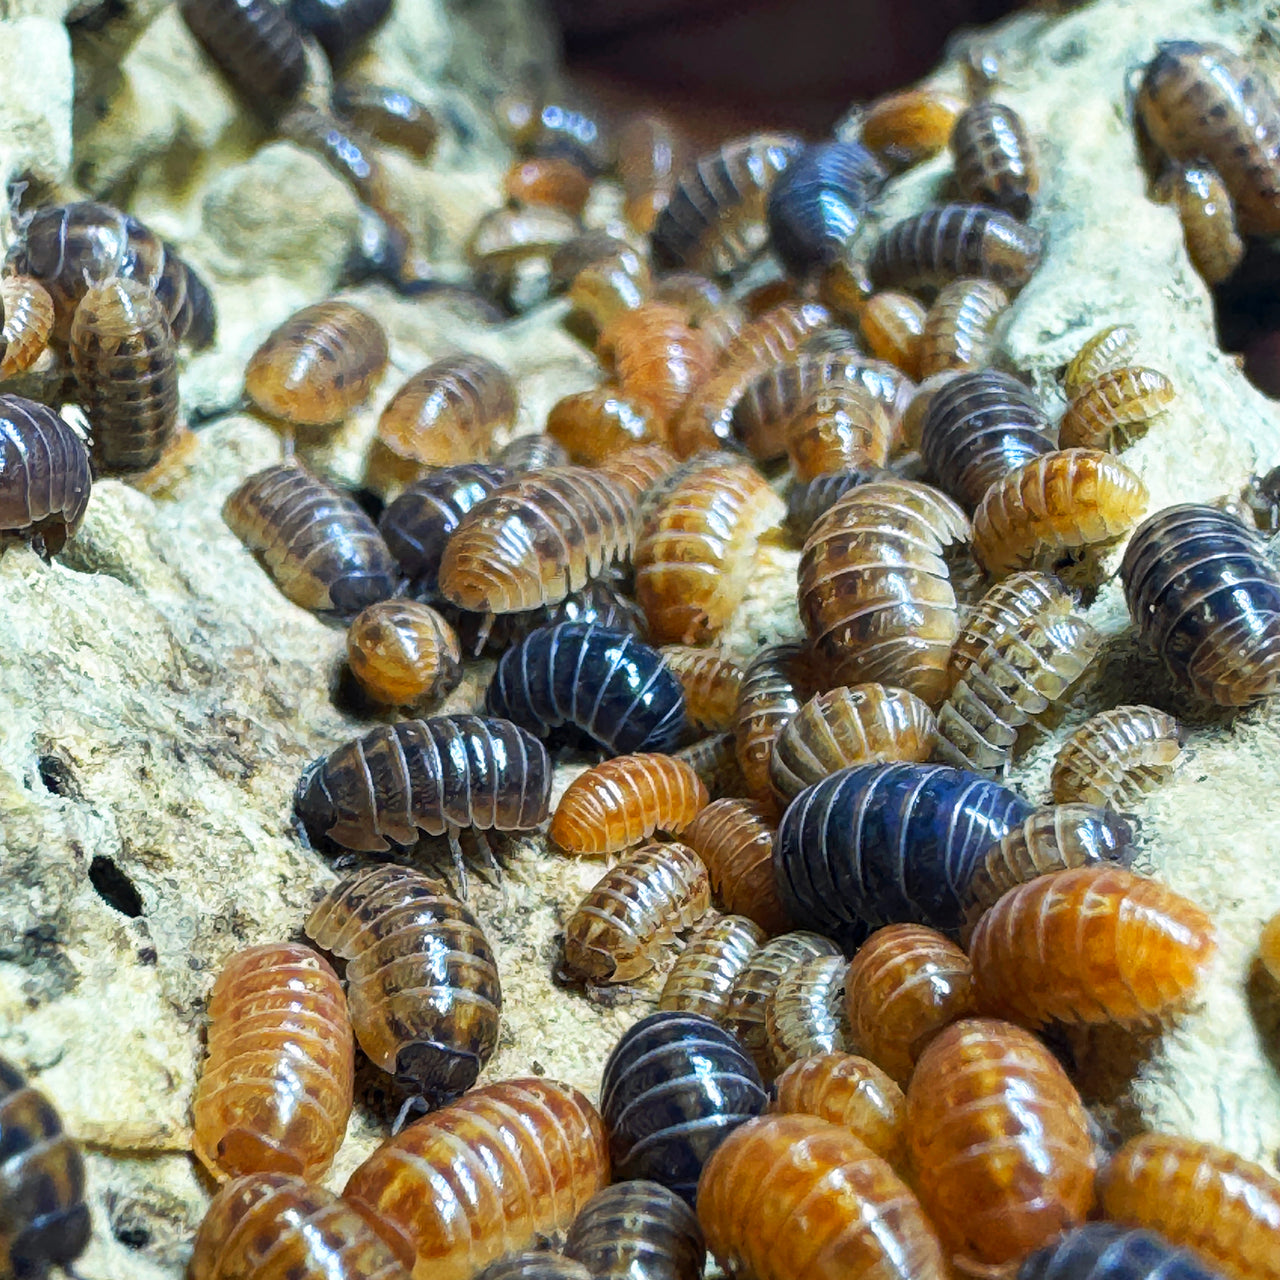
161 697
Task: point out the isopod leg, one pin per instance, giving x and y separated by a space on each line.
459 865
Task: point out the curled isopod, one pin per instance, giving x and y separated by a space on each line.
711 682
403 653
45 478
1116 757
637 1230
705 970
1122 401
995 164
734 838
959 330
805 1015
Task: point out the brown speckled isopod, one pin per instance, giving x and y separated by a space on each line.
403 653
318 365
642 901
910 126
1202 102
892 325
1000 1148
711 683
1118 402
1108 349
734 838
28 323
622 801
850 1091
695 552
274 1092
791 1197
805 1014
705 971
1208 219
659 359
994 161
839 427
875 589
422 983
534 1264
960 329
848 725
637 1230
905 983
126 369
592 425
319 547
44 474
1116 757
1200 1196
1090 944
779 680
1053 506
485 1175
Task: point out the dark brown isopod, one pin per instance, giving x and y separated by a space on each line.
387 115
994 161
637 1230
534 1264
44 474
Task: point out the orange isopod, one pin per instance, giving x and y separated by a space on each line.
838 427
711 684
892 325
659 359
1108 349
1116 757
1090 944
910 126
777 683
595 424
734 838
403 653
1117 402
622 801
651 153
904 984
705 971
550 180
275 1090
610 285
28 310
959 332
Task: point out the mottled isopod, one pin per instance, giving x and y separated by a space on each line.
838 427
45 478
403 653
994 161
1116 757
704 972
637 1230
959 331
805 1015
1116 402
734 838
1104 1251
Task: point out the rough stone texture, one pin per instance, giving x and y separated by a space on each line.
161 697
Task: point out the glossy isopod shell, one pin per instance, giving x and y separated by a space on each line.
888 844
387 115
592 425
1105 1251
792 1197
1108 349
711 683
317 544
550 180
403 653
907 127
1090 944
960 329
485 1175
994 161
637 1230
811 499
778 681
606 288
534 1264
892 325
1000 1148
28 323
805 1015
534 451
705 970
652 152
839 427
1123 399
1116 757
774 334
660 360
1203 595
612 687
674 1087
734 838
45 477
1208 218
714 760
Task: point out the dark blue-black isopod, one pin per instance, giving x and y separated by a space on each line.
339 25
612 687
888 844
1203 595
1105 1251
818 204
675 1086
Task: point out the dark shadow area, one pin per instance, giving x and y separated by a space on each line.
114 887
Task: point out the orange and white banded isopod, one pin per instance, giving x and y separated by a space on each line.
622 801
705 970
711 683
403 653
1108 349
734 839
1116 757
1141 956
1115 403
27 309
660 360
838 427
959 331
806 1013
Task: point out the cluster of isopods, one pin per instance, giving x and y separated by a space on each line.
842 1077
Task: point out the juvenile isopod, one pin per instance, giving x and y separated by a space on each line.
805 1015
1109 348
387 115
705 970
28 323
1203 595
792 1197
995 163
999 1142
317 544
642 901
403 653
1104 1251
487 1174
623 801
674 1087
1053 507
549 180
45 477
318 365
1091 944
734 838
1208 219
847 725
1116 757
839 427
960 329
904 984
606 684
711 683
907 127
422 983
637 1230
1122 401
892 325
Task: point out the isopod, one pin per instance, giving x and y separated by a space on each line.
607 287
893 326
534 451
1208 219
704 972
839 427
711 683
1104 1251
28 323
534 1264
1118 401
779 680
714 760
387 115
674 1087
45 477
592 425
960 329
907 127
808 501
651 155
1109 348
734 838
637 1230
805 1015
549 180
995 164
659 358
510 242
403 653
1116 757
340 26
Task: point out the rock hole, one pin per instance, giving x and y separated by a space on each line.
133 1237
114 887
57 776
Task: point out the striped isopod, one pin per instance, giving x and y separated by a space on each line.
1201 1197
533 1264
1208 219
268 1220
910 126
660 360
1104 1251
792 1197
848 725
1108 349
1203 595
274 1093
403 653
607 684
45 477
774 334
1054 838
695 551
714 222
714 760
1120 402
637 1230
805 1015
904 984
622 801
28 322
487 1174
777 683
674 1087
1116 757
705 970
999 1142
850 1091
1140 958
389 116
892 324
978 429
422 983
1054 507
887 844
809 500
947 242
959 331
642 901
734 838
838 427
711 683
1022 649
995 164
875 588
315 541
592 425
652 151
534 451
